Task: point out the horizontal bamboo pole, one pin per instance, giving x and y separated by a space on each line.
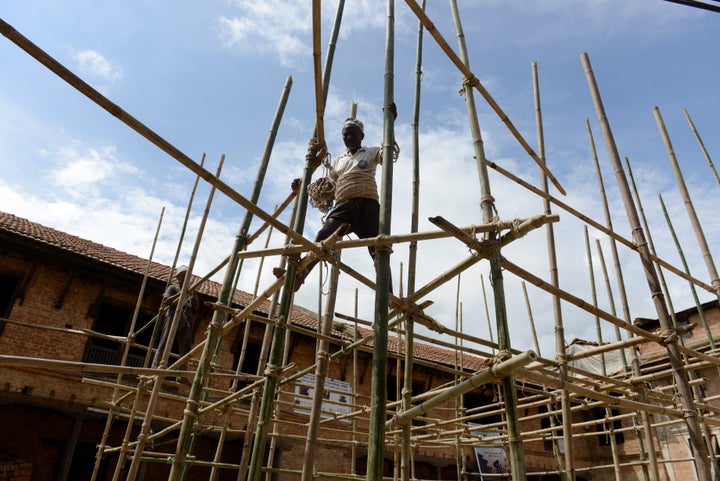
493 374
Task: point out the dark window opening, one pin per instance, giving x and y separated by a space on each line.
394 392
475 400
115 320
604 428
251 359
8 287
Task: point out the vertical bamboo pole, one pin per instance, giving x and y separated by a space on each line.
487 313
353 450
321 367
680 375
561 353
702 146
376 441
277 347
697 227
598 328
531 319
412 259
517 455
645 420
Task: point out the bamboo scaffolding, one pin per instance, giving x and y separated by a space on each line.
663 316
445 428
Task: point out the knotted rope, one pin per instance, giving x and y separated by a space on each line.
668 336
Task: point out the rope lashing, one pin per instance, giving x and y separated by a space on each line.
502 356
383 243
668 336
273 370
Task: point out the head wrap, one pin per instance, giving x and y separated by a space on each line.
354 122
181 270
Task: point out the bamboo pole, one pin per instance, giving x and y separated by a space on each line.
406 449
279 335
702 146
84 88
495 372
146 425
185 440
561 352
608 412
613 243
692 215
320 376
378 396
651 245
517 456
684 392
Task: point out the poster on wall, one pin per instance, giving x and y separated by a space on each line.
491 457
337 396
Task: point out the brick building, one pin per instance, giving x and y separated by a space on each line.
68 305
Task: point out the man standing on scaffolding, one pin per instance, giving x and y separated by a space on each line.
356 193
185 332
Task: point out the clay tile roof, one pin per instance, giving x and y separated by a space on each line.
18 227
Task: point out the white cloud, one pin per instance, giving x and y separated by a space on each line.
99 69
81 171
278 27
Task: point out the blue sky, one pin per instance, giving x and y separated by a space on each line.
208 77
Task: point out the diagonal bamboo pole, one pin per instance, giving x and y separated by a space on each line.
76 82
651 245
682 187
185 439
702 146
626 242
681 379
626 312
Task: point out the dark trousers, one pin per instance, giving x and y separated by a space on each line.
361 215
183 338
